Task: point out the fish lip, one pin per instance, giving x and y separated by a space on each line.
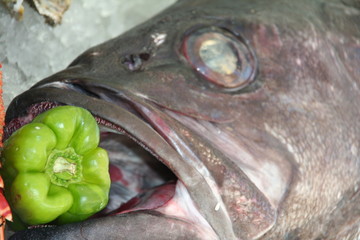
128 226
118 118
136 128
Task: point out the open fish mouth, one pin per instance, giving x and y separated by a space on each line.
149 169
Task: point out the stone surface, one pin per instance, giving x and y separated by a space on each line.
30 49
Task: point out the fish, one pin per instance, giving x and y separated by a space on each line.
233 119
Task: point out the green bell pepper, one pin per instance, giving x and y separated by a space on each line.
53 168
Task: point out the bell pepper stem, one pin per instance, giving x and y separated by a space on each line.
64 167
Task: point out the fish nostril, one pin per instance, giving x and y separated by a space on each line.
134 62
144 56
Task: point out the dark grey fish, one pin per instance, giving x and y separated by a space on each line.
249 114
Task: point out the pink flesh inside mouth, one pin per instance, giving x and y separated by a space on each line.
139 181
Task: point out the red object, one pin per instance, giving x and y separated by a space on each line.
5 211
2 110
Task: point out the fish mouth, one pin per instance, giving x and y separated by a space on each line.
152 182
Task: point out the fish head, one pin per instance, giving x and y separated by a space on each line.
250 109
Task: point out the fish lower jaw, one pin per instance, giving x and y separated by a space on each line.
173 202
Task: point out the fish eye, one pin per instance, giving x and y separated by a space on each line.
220 57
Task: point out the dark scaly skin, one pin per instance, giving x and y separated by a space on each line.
284 156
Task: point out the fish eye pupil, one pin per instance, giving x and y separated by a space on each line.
218 55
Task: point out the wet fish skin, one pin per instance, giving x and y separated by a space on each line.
284 154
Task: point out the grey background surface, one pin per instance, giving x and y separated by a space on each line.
30 49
